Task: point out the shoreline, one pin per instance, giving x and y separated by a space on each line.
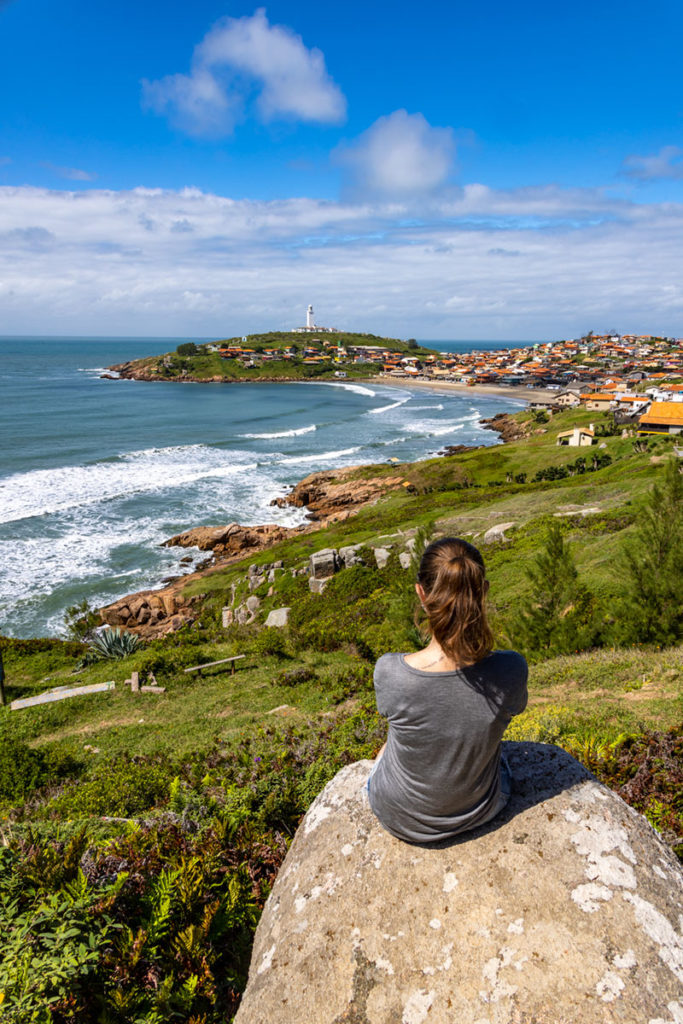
522 394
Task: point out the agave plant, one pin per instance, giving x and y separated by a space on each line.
114 644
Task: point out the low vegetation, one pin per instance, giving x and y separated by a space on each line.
140 834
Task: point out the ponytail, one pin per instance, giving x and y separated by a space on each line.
453 578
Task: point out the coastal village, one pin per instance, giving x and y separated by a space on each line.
637 378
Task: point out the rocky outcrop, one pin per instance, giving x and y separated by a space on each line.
151 613
154 613
233 539
508 428
565 909
334 495
497 533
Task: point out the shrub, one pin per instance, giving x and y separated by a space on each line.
647 771
270 640
81 621
540 725
294 677
22 769
117 787
14 646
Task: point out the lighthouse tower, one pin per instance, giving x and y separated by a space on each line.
309 318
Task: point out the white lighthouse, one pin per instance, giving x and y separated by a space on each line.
311 326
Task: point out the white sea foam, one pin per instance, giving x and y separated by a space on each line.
358 388
321 457
422 408
386 408
433 428
46 491
282 433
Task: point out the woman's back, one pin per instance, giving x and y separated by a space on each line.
440 772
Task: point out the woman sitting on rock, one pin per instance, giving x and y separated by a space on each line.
441 772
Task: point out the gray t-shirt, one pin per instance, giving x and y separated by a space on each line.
440 772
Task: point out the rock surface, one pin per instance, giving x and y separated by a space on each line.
278 617
497 533
330 496
232 539
564 910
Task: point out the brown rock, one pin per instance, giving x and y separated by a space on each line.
335 494
506 426
565 909
136 604
231 539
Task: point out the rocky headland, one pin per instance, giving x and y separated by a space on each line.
327 496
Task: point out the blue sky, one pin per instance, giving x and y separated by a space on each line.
512 171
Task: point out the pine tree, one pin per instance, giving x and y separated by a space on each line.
652 607
559 618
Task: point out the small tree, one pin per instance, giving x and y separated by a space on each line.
412 343
188 348
559 618
81 621
651 610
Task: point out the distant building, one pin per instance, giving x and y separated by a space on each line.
662 418
313 328
577 438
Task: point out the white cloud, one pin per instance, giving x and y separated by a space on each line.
240 56
69 173
196 104
399 155
667 163
531 263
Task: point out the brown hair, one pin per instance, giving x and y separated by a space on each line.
453 578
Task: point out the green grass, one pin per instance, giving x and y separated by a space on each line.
190 716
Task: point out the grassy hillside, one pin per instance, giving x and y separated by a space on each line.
141 833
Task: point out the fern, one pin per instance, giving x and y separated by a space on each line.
161 901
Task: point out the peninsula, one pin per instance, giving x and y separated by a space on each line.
278 356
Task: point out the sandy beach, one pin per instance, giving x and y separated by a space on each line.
521 393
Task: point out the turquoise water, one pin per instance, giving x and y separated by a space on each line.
95 474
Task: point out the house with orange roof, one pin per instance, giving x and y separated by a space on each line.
598 400
662 418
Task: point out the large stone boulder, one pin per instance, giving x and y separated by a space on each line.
278 617
564 910
324 563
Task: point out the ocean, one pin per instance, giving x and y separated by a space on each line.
95 474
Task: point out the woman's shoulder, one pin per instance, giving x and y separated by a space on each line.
388 662
509 663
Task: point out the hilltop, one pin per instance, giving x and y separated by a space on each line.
147 828
274 356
